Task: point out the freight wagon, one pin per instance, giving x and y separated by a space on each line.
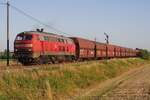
85 49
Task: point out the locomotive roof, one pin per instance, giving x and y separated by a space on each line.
43 33
36 32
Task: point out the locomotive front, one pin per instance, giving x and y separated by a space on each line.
23 47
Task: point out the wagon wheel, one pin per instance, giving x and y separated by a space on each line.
39 61
54 60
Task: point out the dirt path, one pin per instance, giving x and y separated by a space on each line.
136 87
133 85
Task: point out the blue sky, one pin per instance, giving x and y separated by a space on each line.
126 21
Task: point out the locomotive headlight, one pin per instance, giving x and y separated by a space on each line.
16 49
29 49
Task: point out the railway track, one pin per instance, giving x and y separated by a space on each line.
16 65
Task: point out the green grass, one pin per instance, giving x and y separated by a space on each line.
62 79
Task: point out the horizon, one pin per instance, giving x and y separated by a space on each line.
125 21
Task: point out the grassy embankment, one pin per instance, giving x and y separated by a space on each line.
62 80
12 62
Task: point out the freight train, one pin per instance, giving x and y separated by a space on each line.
41 47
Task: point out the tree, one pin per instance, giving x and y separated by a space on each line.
144 54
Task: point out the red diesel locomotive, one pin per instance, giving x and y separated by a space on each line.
42 47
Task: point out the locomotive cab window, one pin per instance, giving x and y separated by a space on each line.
61 40
46 38
24 37
52 39
41 38
28 37
70 41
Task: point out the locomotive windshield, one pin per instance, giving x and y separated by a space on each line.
24 37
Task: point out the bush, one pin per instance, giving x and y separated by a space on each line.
144 54
3 55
